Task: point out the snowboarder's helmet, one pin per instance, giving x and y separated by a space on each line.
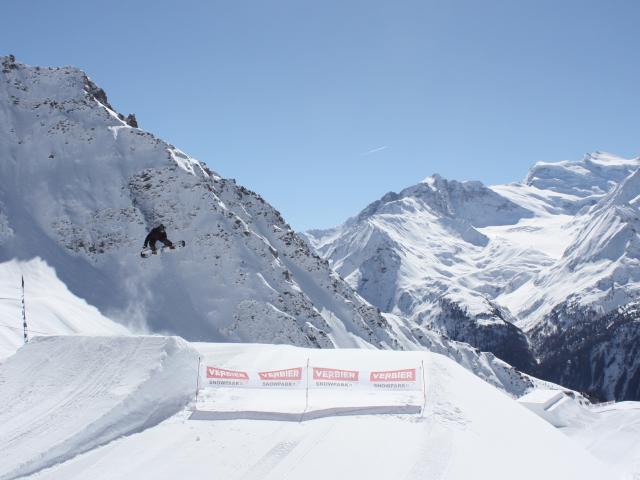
161 227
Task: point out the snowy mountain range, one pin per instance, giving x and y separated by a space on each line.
545 269
523 271
80 187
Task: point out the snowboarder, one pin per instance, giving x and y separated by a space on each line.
157 234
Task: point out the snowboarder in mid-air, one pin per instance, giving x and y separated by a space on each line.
157 234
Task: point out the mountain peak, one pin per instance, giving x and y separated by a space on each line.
626 193
432 180
55 84
595 175
609 159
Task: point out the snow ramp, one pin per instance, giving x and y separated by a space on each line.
468 430
65 395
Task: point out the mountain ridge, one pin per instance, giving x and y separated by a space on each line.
81 185
513 263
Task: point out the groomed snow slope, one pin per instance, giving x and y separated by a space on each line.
469 429
51 308
61 396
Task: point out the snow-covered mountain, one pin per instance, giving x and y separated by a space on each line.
511 268
80 187
421 254
595 292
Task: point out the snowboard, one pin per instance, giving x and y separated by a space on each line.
147 252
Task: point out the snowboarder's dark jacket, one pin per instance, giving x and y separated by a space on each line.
158 234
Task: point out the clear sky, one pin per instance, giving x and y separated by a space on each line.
324 106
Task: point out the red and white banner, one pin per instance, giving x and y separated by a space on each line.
405 379
284 378
220 377
282 389
287 378
287 374
334 377
318 377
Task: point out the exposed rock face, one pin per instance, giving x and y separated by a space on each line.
131 120
594 353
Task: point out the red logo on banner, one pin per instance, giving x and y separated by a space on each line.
288 374
335 374
213 372
408 375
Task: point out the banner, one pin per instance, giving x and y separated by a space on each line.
287 378
406 379
334 378
289 392
226 378
215 377
318 377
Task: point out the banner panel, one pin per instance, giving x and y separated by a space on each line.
283 390
220 377
405 379
334 378
320 377
287 378
216 377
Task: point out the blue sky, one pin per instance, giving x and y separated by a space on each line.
324 106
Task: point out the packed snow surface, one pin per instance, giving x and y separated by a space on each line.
610 431
86 392
61 396
612 434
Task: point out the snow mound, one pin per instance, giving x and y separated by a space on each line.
609 431
66 395
469 430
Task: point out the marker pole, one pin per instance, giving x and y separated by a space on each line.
24 315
